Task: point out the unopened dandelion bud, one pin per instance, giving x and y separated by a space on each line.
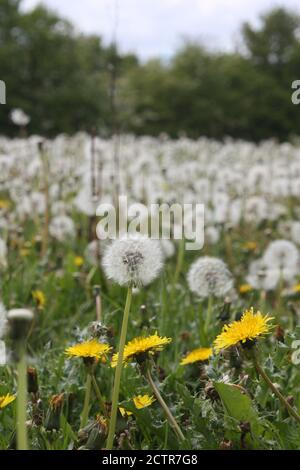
93 436
96 290
226 445
19 320
32 380
279 334
52 420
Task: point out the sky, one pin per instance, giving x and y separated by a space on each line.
155 28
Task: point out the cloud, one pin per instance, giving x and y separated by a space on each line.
154 27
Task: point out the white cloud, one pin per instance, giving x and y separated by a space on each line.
154 27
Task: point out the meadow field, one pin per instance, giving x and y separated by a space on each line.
188 381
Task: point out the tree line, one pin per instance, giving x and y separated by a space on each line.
67 81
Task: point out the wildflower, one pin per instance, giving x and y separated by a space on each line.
251 246
24 252
197 355
261 276
102 423
62 227
247 329
88 349
56 401
209 276
282 254
296 288
4 204
142 401
245 288
78 261
6 400
40 298
124 412
133 260
19 117
141 346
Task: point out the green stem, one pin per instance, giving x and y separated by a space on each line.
180 258
86 405
99 395
170 417
22 399
208 314
202 336
270 384
117 380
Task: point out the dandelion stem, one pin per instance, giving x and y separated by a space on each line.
180 258
270 384
171 419
99 395
22 399
202 335
208 313
86 405
117 380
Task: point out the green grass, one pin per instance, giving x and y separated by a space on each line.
207 422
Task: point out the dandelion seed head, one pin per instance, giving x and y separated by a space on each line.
210 276
133 260
282 254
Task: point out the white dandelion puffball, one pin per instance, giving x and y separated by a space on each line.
282 254
261 276
133 260
19 118
168 248
62 227
209 276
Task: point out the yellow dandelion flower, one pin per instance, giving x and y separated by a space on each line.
124 412
40 298
250 245
140 345
142 401
197 355
102 422
245 288
90 349
4 204
248 328
6 400
56 401
78 261
296 289
24 252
